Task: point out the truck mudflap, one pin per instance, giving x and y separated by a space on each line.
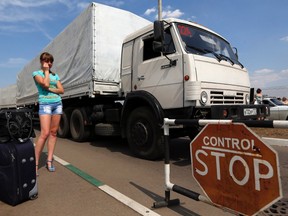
240 112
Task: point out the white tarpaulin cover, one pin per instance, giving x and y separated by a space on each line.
87 50
8 97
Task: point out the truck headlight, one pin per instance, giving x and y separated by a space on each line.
203 97
247 99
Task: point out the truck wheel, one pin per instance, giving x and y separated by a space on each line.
79 131
144 135
64 127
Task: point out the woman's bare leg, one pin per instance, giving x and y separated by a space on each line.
55 120
45 121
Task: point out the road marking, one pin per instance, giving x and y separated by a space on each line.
84 175
275 141
59 160
108 190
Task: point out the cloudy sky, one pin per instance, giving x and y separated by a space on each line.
258 28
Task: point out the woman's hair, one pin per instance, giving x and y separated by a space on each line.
258 90
45 56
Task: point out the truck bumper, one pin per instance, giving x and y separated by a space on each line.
240 112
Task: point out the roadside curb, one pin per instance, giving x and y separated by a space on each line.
108 190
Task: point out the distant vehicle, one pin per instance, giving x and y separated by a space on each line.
278 110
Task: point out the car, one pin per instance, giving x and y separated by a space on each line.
278 110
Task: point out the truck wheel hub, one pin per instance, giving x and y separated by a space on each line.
140 134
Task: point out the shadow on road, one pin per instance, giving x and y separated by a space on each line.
180 151
179 148
113 144
177 208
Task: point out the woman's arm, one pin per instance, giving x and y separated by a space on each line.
44 81
58 90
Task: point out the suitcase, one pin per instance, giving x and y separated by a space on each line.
18 182
16 124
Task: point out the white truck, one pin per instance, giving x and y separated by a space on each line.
122 75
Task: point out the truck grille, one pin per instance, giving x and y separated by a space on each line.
218 97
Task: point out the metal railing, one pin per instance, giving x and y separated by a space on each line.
169 186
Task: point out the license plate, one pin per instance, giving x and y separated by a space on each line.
250 111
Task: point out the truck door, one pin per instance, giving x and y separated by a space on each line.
152 72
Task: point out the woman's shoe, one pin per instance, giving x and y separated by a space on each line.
50 168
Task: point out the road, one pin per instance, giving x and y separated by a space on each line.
109 161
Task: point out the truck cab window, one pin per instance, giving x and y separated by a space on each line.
201 42
148 52
169 44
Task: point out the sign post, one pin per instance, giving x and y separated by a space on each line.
235 168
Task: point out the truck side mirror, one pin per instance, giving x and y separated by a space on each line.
235 52
159 31
158 43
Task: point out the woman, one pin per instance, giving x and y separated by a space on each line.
50 108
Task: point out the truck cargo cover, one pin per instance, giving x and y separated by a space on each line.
8 97
87 50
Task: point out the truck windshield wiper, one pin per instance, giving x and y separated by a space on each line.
219 58
232 62
205 51
242 66
227 58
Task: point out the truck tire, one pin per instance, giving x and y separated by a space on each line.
144 135
103 129
79 131
64 126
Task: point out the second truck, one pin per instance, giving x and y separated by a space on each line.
122 75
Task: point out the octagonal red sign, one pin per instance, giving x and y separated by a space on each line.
235 168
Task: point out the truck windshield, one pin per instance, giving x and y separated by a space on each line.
201 42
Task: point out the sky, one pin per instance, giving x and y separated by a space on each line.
257 28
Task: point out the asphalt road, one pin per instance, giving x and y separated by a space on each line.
135 184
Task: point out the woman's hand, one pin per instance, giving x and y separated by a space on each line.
58 90
45 67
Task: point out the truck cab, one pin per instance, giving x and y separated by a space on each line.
196 68
189 70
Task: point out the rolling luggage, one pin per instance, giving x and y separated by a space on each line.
16 124
18 182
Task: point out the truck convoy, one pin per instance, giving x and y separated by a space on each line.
123 75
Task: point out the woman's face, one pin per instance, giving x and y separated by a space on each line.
47 64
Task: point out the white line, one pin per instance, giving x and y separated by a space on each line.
59 160
232 151
128 202
118 196
275 141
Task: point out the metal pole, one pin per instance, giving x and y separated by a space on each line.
159 10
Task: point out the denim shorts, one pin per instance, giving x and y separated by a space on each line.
55 108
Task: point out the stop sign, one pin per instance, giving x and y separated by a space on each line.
235 168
